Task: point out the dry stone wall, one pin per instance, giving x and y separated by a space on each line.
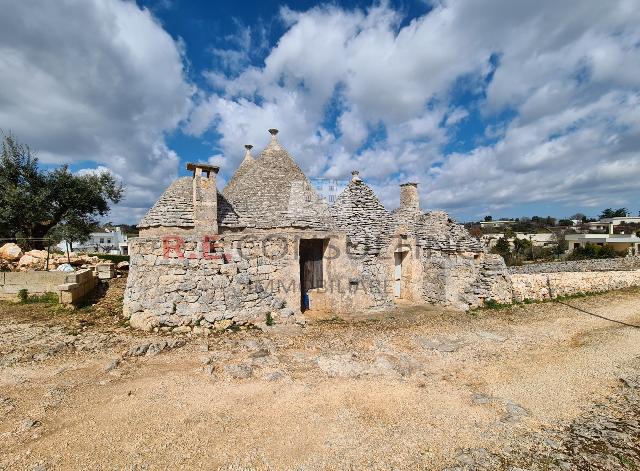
173 282
464 279
457 270
541 286
604 264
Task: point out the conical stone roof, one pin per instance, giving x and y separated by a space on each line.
242 169
273 192
359 212
174 208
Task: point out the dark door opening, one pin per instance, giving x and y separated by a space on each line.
311 251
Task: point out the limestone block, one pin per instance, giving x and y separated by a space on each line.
183 329
106 271
37 253
10 252
29 261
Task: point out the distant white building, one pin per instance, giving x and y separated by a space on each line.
537 240
622 243
111 242
603 224
329 189
498 223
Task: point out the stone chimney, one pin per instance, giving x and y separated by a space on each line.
409 198
205 197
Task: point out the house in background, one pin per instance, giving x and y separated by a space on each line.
111 241
605 223
543 239
499 223
621 243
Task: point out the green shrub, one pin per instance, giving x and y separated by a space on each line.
269 319
48 298
493 304
593 251
110 257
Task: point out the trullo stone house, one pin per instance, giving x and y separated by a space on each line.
268 246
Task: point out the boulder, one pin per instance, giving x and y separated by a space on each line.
29 261
10 252
37 254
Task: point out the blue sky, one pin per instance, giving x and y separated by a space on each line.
496 107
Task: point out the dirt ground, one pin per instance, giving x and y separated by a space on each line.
540 386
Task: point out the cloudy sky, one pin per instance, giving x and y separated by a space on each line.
494 107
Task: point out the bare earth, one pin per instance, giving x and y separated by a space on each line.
420 388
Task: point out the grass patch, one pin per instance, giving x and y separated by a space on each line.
494 305
111 257
269 319
46 298
578 295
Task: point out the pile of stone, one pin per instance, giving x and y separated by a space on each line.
12 258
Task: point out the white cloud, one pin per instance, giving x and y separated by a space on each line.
96 81
567 71
101 81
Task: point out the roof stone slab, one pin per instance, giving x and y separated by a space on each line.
359 212
273 192
175 208
242 169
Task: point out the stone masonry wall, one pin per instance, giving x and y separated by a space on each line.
540 286
246 277
464 280
604 264
71 288
174 283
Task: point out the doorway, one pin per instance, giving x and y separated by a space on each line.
311 275
398 258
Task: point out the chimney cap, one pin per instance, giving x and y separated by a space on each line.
409 184
273 132
248 146
192 166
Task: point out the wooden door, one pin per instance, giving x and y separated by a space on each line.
311 274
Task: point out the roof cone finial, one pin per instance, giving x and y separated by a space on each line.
356 176
247 154
274 133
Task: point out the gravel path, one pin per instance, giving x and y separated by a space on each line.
530 387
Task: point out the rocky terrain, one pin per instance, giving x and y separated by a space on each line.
12 258
535 387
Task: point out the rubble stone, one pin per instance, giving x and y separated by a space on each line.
10 252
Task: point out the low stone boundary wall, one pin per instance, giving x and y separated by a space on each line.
602 264
540 286
70 287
